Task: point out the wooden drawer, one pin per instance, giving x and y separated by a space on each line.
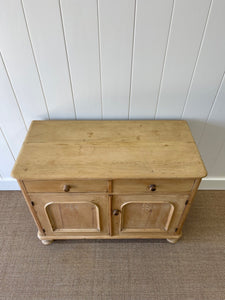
154 186
63 186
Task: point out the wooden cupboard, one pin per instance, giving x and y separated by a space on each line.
109 179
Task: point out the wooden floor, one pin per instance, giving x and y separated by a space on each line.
192 269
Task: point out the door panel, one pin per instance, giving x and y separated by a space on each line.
70 214
74 216
144 214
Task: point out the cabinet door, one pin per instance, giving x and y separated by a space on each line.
143 215
72 215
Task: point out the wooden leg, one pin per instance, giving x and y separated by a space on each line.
174 240
44 242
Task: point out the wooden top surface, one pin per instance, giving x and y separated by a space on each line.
108 149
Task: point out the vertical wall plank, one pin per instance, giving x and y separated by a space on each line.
152 26
187 28
81 33
20 64
209 71
11 121
6 158
213 137
45 27
218 168
116 40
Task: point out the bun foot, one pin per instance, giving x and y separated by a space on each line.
44 242
174 240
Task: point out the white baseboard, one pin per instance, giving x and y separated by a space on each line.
9 184
212 183
209 183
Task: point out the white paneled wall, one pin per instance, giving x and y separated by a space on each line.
11 119
44 25
80 22
113 59
152 25
187 26
116 27
17 54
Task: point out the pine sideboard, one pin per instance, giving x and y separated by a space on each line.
109 179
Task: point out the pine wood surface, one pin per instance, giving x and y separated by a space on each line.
158 211
143 185
57 186
109 179
68 215
108 149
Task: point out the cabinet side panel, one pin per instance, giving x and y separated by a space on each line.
188 206
31 209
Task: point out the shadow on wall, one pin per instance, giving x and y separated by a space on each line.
210 139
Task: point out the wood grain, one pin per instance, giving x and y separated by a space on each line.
73 216
165 207
146 216
153 235
109 149
150 172
188 205
56 186
142 186
31 208
60 220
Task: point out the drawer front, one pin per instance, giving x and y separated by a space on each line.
152 186
66 186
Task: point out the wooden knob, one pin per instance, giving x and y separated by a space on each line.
152 187
116 212
66 188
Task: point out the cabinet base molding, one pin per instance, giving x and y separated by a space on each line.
47 240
